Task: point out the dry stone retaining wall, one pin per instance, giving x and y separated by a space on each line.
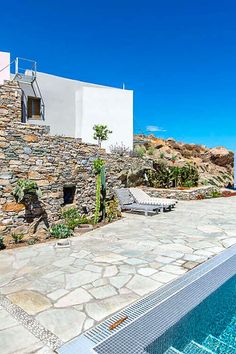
188 194
28 151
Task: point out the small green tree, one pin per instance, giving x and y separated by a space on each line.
101 133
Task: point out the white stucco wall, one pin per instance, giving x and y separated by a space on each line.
4 63
59 98
111 107
73 107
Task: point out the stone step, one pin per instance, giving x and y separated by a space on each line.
172 350
218 345
196 348
229 334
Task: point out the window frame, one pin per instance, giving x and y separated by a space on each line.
31 108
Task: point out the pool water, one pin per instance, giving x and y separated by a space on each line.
208 328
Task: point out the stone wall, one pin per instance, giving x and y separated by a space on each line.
29 151
188 194
10 103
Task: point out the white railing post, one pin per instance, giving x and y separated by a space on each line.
16 66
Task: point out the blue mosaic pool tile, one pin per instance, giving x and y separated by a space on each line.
229 334
195 348
218 346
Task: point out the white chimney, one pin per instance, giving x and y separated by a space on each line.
4 67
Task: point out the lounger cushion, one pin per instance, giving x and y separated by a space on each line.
143 198
125 196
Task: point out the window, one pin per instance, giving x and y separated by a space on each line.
69 194
33 108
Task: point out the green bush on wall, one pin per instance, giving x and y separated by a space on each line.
24 186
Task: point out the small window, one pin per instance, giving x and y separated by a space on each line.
33 108
69 194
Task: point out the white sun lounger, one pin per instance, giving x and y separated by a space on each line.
127 203
143 198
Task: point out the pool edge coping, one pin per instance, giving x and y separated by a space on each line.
93 339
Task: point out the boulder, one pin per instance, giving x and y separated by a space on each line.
137 177
221 156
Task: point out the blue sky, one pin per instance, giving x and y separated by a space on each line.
179 56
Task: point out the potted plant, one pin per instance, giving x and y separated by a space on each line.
25 188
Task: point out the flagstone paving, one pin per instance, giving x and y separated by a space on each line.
50 295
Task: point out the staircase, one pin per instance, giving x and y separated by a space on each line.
225 344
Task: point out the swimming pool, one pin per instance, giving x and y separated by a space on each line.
210 327
192 314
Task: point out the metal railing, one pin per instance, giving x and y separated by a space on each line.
25 70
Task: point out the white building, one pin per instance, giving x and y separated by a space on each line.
71 107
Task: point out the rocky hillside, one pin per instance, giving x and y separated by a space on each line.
215 165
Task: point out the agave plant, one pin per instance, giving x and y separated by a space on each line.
25 186
60 231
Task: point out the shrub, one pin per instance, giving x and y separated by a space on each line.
60 231
24 186
189 176
215 194
31 242
73 218
165 176
162 155
112 210
188 184
2 245
151 150
70 213
84 219
120 150
139 151
17 238
72 223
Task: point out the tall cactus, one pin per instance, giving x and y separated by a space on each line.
103 185
99 170
98 199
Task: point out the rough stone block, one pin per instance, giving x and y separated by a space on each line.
13 206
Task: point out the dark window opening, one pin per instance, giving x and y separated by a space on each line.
33 108
23 112
69 194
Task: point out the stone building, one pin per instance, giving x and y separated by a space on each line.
61 166
70 107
